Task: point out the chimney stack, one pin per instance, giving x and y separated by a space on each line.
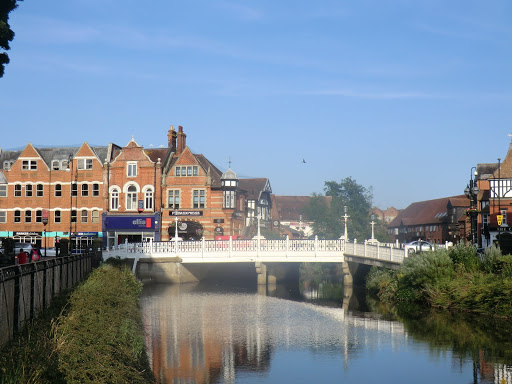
171 139
182 141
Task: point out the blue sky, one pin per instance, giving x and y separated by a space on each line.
403 96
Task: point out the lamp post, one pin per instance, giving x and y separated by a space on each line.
176 229
57 246
345 216
471 192
372 216
69 168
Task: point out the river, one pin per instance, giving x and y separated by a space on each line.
239 333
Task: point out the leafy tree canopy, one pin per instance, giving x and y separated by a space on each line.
328 219
6 34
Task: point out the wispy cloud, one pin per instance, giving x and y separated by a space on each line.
404 95
374 95
242 12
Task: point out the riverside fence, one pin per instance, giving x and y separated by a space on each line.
27 289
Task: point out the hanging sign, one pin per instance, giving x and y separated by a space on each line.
186 213
500 219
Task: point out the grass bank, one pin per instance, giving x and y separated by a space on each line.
91 335
458 280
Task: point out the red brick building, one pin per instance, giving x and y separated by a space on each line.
436 221
204 201
494 202
61 187
124 194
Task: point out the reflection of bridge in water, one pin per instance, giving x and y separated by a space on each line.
208 335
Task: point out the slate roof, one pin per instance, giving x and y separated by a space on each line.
486 170
157 153
429 211
215 173
53 153
253 187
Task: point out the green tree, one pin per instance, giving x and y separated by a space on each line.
6 33
327 217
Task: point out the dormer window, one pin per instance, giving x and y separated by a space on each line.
8 164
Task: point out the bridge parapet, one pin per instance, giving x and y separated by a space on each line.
262 250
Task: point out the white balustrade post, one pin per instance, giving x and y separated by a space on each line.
203 244
151 245
230 245
316 245
287 245
378 251
365 248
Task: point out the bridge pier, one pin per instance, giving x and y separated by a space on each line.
347 275
261 271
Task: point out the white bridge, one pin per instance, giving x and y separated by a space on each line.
263 250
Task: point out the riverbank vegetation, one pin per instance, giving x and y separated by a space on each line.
457 280
91 335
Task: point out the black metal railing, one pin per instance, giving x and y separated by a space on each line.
27 289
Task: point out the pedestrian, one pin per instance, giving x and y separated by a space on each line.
34 254
22 257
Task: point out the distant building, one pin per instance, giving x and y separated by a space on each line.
289 215
386 216
437 221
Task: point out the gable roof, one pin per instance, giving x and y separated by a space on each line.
254 187
428 212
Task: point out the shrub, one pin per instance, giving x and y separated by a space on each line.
377 279
424 269
464 256
503 266
100 339
489 258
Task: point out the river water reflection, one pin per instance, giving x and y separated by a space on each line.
200 333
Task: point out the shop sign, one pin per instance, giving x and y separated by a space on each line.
87 234
186 213
27 233
141 206
129 222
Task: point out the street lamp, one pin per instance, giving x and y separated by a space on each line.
471 192
372 216
176 230
345 235
69 168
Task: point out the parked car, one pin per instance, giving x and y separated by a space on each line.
418 246
49 252
27 247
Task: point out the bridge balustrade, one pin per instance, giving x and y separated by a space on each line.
310 250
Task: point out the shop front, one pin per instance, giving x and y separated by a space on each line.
187 230
120 229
